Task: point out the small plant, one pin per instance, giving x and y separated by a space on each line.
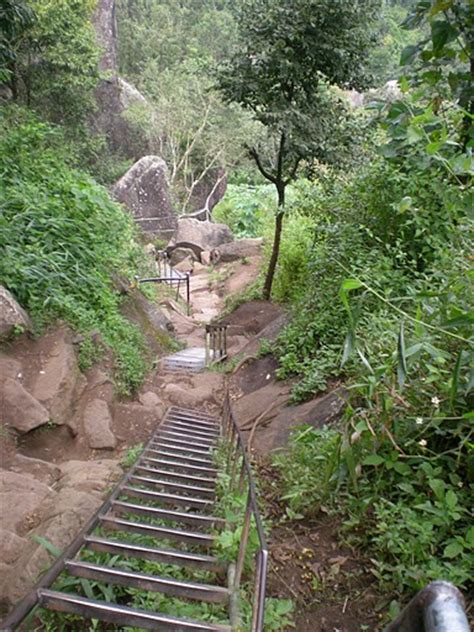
131 456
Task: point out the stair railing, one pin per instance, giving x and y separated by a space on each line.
439 607
216 343
241 478
174 278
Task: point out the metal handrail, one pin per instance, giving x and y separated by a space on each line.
167 274
439 607
252 514
216 343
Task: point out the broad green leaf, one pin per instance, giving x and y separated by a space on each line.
351 284
373 459
451 499
408 54
453 549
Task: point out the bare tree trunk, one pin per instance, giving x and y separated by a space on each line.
267 288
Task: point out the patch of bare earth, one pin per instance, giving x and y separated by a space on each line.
327 581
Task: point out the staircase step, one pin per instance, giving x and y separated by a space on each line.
195 490
194 419
158 446
194 423
122 615
184 436
166 533
186 445
165 556
198 480
144 581
168 499
179 465
167 514
195 413
175 456
187 429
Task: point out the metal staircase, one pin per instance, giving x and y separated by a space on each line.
160 513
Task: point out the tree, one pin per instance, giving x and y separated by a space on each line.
443 61
289 53
16 19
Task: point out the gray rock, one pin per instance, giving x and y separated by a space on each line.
149 399
238 249
56 386
198 236
9 367
97 425
12 315
22 501
181 254
20 409
11 546
129 95
43 471
144 190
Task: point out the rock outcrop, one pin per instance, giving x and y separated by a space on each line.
238 249
98 425
196 236
114 95
12 315
20 410
32 508
56 384
145 192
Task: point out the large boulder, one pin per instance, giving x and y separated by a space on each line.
12 315
238 249
20 410
199 236
145 192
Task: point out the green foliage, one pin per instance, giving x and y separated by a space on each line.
132 455
53 66
245 209
185 121
16 18
390 310
283 74
62 238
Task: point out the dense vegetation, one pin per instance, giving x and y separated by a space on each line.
62 239
376 268
376 248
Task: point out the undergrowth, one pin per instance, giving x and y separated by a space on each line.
62 240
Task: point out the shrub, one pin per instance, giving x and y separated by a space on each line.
62 238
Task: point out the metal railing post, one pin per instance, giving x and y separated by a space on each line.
258 612
239 567
439 607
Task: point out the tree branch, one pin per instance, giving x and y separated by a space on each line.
266 174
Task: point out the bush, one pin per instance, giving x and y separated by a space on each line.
62 238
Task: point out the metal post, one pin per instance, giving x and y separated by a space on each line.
188 293
208 342
239 567
439 607
258 614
